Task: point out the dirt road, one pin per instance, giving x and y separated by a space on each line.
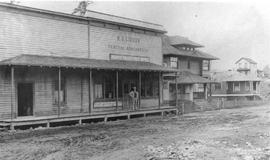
242 133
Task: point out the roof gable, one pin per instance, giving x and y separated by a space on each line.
246 59
168 49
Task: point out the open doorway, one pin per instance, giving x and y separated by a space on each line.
25 99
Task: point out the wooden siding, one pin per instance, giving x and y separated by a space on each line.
27 34
102 38
23 34
5 93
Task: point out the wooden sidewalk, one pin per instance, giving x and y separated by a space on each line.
48 121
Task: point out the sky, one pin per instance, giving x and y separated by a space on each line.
228 30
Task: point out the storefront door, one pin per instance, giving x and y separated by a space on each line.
25 99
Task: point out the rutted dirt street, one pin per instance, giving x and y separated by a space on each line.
242 133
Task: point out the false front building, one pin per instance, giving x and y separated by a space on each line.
55 64
192 79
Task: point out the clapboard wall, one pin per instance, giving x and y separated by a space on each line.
28 32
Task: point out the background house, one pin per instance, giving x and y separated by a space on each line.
243 82
246 66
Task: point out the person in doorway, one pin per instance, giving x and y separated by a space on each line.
134 95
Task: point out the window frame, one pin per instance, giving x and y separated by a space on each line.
63 90
102 80
173 60
153 85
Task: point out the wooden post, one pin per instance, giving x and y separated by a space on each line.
159 89
205 91
81 110
12 92
90 91
117 91
176 90
140 88
59 89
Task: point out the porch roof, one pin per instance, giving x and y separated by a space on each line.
70 62
234 76
186 77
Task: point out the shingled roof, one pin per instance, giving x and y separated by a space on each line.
179 40
53 61
186 77
233 76
168 49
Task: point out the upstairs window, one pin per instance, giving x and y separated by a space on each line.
173 62
206 65
188 64
246 65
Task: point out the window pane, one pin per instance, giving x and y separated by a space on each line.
155 88
62 91
98 91
109 88
173 62
206 65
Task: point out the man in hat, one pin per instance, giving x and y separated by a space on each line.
134 95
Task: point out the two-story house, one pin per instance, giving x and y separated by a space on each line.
246 66
55 65
193 66
243 82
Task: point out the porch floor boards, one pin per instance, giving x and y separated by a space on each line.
31 120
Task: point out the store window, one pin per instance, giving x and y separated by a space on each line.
104 86
149 88
98 91
62 91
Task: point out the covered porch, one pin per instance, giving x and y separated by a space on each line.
60 87
188 86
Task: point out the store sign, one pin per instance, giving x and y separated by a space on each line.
126 43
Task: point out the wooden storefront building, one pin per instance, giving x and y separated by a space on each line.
55 65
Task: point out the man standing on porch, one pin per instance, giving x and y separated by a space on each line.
134 94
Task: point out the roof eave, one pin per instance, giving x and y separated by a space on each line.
31 9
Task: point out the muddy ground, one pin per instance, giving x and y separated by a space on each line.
242 133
